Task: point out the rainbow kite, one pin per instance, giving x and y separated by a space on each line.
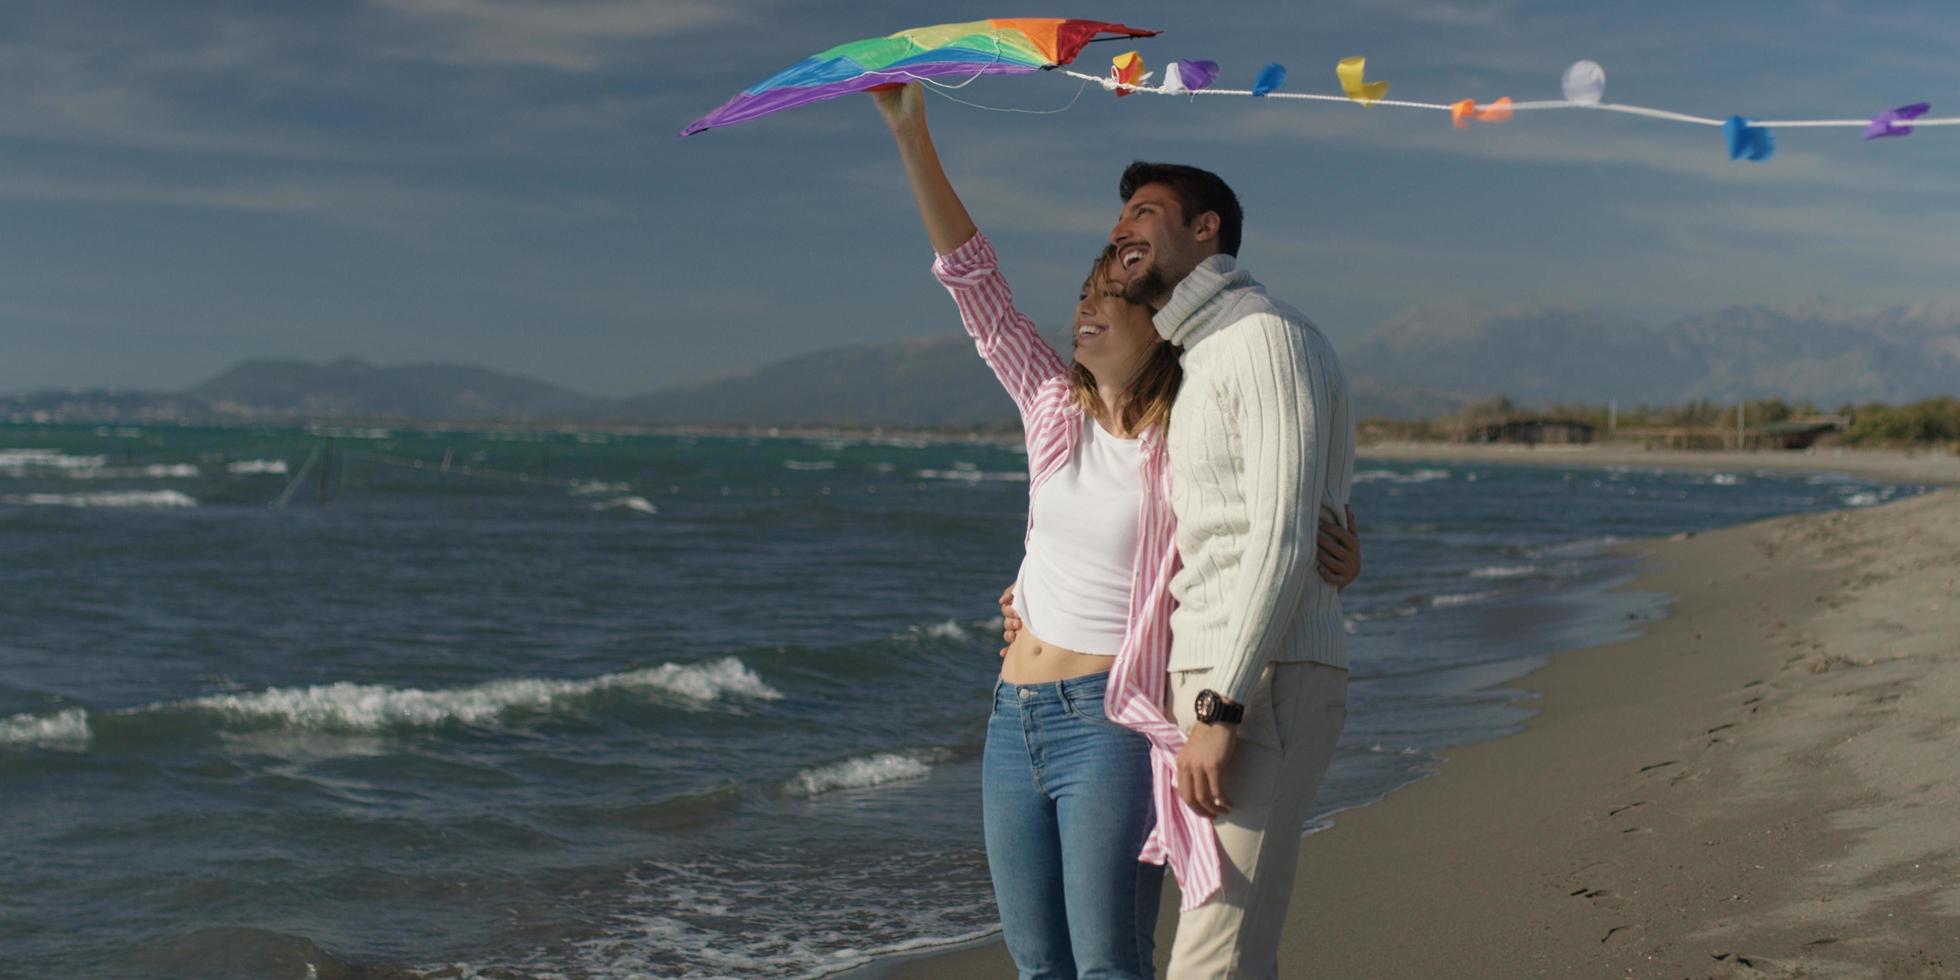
1005 46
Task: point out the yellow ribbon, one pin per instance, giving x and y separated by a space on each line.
1350 72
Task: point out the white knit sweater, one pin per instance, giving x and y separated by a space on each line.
1260 437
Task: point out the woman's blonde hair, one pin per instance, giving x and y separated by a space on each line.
1147 403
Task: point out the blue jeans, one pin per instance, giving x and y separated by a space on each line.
1066 795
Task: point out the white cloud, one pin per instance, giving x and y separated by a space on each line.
560 34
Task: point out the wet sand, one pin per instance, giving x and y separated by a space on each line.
1767 784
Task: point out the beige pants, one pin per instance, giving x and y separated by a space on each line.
1292 722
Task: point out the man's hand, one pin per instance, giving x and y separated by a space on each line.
1201 768
1338 549
1010 622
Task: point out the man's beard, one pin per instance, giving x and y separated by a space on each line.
1152 289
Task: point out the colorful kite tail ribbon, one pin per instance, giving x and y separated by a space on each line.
1271 78
1747 141
1189 76
1496 112
1893 122
1351 72
1126 72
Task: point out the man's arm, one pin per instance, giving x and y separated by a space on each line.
1283 398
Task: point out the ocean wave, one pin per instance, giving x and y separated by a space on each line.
1725 480
347 706
1397 476
1459 599
1582 546
974 475
1402 611
257 467
591 488
1502 571
947 630
14 459
159 499
1861 500
865 772
791 916
1381 749
812 466
66 728
640 504
154 471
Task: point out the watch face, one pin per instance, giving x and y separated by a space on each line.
1207 705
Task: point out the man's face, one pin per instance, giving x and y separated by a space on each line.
1157 245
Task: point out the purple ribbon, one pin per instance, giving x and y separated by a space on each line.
1893 122
1195 74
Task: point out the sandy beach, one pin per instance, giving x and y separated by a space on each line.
1762 786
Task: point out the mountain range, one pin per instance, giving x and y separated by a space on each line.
1425 362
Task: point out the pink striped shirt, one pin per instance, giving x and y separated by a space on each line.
1051 421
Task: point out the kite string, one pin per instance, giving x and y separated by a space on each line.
1632 110
934 87
970 79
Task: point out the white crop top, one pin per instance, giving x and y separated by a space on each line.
1074 589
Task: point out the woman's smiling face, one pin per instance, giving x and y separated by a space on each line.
1112 334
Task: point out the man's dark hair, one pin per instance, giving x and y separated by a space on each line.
1197 191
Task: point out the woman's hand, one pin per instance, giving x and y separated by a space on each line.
1010 621
903 106
1339 549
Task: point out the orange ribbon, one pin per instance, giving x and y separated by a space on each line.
1496 112
1126 69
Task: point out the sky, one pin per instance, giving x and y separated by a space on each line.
498 182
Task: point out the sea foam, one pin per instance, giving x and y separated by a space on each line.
865 772
1459 599
353 707
67 728
257 467
1397 476
636 504
48 459
946 630
157 499
974 476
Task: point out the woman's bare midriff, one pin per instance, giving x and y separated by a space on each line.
1030 661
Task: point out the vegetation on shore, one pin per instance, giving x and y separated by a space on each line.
1698 424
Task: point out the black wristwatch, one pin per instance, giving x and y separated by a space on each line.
1215 710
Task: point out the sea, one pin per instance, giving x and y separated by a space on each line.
591 705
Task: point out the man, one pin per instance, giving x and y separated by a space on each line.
1261 437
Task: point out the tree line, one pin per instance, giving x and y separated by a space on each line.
1929 422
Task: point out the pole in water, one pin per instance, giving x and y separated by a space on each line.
298 478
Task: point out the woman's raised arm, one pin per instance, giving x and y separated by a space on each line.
948 225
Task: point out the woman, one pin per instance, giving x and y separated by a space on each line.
1079 808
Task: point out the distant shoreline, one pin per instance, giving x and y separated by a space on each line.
1927 464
